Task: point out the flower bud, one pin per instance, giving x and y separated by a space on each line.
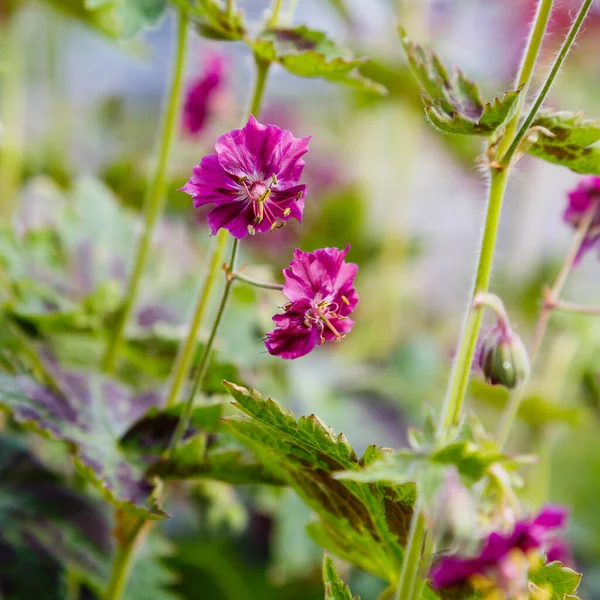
503 358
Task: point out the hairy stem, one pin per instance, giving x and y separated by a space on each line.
572 307
461 370
185 354
550 301
554 71
155 194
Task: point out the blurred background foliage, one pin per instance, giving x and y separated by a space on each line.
408 201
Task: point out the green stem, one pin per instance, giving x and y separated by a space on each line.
230 8
412 556
523 80
12 116
262 70
256 283
461 370
277 4
184 420
186 352
550 301
556 67
581 309
121 564
155 194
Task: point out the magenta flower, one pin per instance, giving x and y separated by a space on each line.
200 95
321 294
252 180
580 201
494 558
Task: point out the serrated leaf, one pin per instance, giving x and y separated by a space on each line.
335 588
453 103
309 53
556 580
363 523
567 139
90 413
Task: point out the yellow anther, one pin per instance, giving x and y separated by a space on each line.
345 300
251 230
286 212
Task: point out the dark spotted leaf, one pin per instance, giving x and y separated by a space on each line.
91 413
366 524
308 53
557 581
335 588
46 526
453 103
567 139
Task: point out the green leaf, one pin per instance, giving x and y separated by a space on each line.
131 16
364 524
567 139
560 582
102 20
91 413
335 588
453 103
308 53
213 21
230 466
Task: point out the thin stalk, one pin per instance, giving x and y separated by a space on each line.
12 115
461 370
551 299
230 8
186 415
412 557
573 307
556 67
155 193
256 283
262 70
186 352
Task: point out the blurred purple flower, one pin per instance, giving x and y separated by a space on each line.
321 294
580 201
528 534
200 94
252 180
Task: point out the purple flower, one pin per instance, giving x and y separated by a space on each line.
321 294
252 180
499 548
580 201
200 95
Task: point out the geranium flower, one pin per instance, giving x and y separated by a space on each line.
252 180
200 95
502 551
320 288
580 201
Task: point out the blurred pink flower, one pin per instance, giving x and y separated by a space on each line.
200 95
580 201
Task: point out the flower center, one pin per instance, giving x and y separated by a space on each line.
258 192
320 315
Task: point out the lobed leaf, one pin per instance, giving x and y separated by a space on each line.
335 588
567 139
453 103
309 53
213 21
557 581
91 413
130 16
364 524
